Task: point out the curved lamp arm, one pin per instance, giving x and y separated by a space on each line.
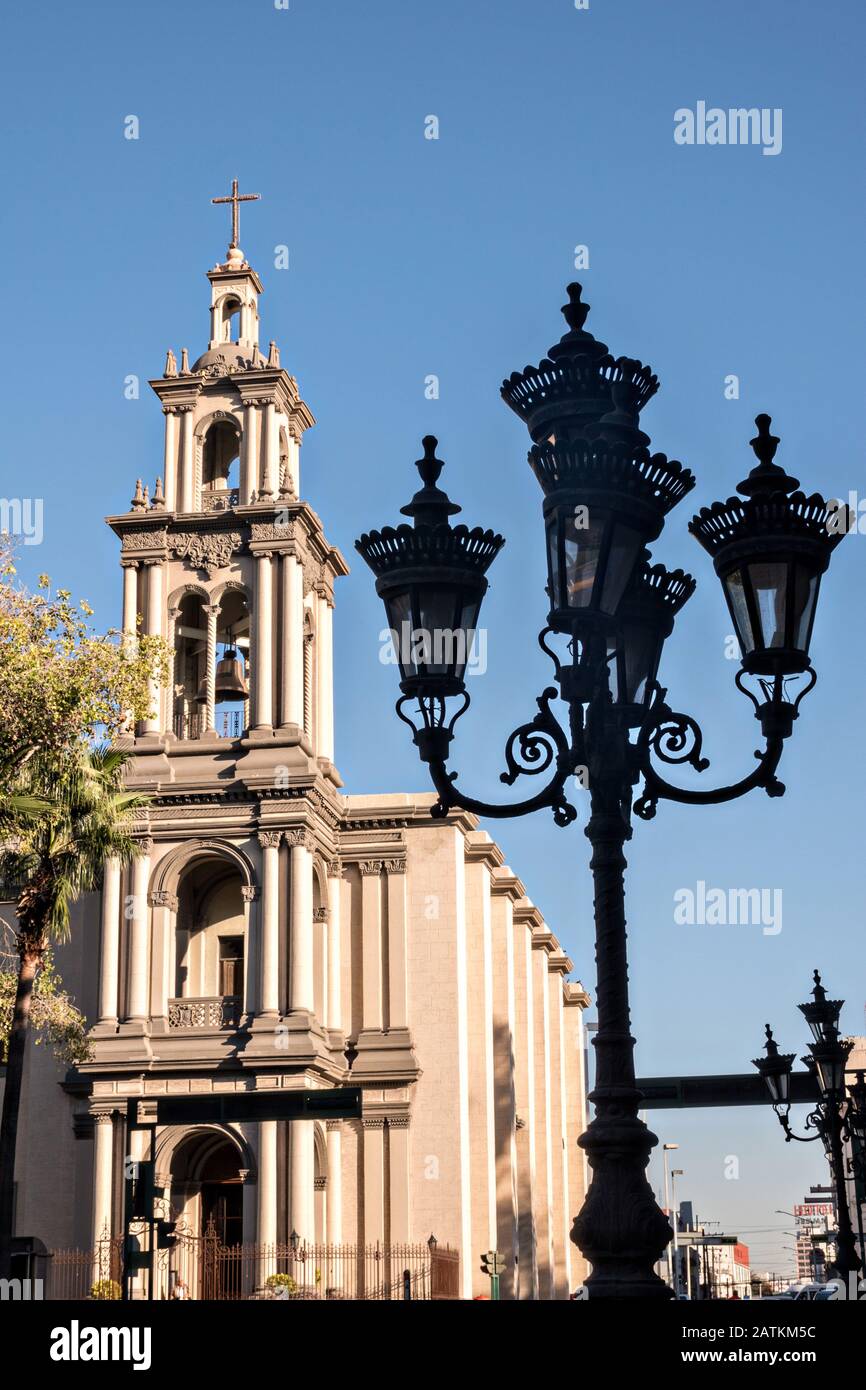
814 1120
677 739
531 749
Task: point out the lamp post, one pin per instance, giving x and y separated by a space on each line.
836 1117
666 1149
605 500
675 1173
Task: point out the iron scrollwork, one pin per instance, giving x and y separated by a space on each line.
677 739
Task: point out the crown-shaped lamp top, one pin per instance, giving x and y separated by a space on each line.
766 477
430 505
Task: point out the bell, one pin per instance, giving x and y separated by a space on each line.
229 683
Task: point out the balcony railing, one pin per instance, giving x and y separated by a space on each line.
221 1012
218 499
228 723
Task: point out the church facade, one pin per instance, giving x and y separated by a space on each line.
277 933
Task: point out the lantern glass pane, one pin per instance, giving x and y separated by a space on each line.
626 546
472 650
805 594
582 545
441 642
553 562
399 611
770 582
641 659
739 611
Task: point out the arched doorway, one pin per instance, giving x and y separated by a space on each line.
206 1195
207 1186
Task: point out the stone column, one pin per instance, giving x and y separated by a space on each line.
335 980
212 611
187 459
169 468
543 1116
302 1175
248 469
251 962
153 724
130 597
398 1159
371 925
110 943
269 987
325 680
267 1185
292 638
301 987
103 1152
173 615
396 889
270 451
334 1211
139 936
263 655
374 1179
164 912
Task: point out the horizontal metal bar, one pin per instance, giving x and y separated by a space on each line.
339 1103
686 1092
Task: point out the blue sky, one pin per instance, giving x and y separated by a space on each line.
411 257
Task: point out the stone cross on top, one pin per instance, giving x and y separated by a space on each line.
236 199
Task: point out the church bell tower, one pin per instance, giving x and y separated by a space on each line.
226 562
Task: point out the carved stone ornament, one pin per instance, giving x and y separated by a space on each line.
299 837
369 867
272 531
270 839
144 540
395 866
206 550
250 893
161 897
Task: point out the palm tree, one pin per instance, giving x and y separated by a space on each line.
71 815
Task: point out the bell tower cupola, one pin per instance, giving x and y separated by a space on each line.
235 288
224 559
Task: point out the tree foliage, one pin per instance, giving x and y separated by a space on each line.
62 683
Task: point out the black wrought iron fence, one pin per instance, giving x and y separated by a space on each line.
202 1267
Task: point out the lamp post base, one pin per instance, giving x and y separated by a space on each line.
620 1228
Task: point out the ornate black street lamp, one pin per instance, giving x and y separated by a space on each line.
837 1119
605 499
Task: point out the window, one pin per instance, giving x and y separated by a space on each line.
231 966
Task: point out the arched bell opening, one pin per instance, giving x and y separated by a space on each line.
190 666
231 672
211 665
220 465
230 320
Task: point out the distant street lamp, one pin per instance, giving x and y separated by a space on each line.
676 1173
838 1118
605 500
